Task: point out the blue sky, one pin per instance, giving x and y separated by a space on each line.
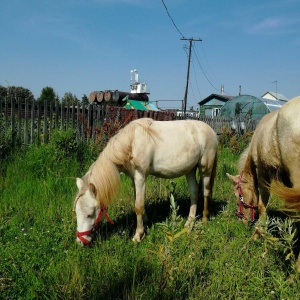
79 46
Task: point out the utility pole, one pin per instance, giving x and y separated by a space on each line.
188 70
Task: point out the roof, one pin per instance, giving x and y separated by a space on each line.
274 96
273 104
140 105
223 98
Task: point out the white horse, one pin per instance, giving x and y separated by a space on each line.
166 149
272 159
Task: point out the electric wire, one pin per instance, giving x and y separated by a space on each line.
204 73
196 80
205 56
172 19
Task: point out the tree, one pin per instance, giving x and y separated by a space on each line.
18 92
85 99
48 94
70 99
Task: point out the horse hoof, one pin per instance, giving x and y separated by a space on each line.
138 238
190 223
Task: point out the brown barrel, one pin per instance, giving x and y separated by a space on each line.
93 96
99 96
107 95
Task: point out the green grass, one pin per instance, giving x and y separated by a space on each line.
39 258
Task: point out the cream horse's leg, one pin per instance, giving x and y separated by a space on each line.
263 200
139 188
206 192
194 194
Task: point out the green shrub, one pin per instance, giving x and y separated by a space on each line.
235 142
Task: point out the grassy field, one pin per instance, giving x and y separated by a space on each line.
39 258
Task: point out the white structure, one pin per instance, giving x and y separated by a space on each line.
274 96
135 86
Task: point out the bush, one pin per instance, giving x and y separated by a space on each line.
66 146
236 142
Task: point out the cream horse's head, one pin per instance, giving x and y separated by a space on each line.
87 212
247 200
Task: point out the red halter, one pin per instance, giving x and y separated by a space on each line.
240 214
80 235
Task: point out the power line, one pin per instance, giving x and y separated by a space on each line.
204 72
172 19
205 56
196 79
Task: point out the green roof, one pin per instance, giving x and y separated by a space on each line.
140 105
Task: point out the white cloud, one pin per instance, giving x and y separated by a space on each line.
275 25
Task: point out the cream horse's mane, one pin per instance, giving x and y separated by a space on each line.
243 159
104 173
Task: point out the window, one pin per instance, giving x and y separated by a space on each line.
215 112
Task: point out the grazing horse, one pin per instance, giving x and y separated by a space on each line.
271 159
166 149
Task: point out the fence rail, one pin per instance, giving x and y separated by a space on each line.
32 122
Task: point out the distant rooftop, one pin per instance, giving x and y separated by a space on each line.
274 96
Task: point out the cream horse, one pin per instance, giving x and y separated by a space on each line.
273 155
166 149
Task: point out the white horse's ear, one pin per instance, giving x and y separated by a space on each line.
93 189
79 183
233 178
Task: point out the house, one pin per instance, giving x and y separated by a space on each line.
211 105
274 96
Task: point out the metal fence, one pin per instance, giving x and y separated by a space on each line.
34 122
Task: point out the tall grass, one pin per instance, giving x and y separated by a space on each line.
39 258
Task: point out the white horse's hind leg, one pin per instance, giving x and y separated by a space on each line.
206 191
194 194
140 188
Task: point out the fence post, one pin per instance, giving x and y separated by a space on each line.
73 115
68 116
56 114
1 118
39 122
26 123
45 131
82 120
89 119
13 103
19 118
50 120
78 123
32 122
6 115
62 117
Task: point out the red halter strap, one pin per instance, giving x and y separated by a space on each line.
81 235
239 213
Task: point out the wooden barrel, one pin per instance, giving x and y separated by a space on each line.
99 96
93 96
115 95
107 95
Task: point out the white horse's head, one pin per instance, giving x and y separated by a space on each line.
87 212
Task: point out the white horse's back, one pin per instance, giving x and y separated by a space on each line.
176 149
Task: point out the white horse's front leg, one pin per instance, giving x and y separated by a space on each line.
140 188
262 211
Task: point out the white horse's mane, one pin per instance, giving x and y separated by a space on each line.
104 173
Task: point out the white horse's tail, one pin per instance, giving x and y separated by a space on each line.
291 196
